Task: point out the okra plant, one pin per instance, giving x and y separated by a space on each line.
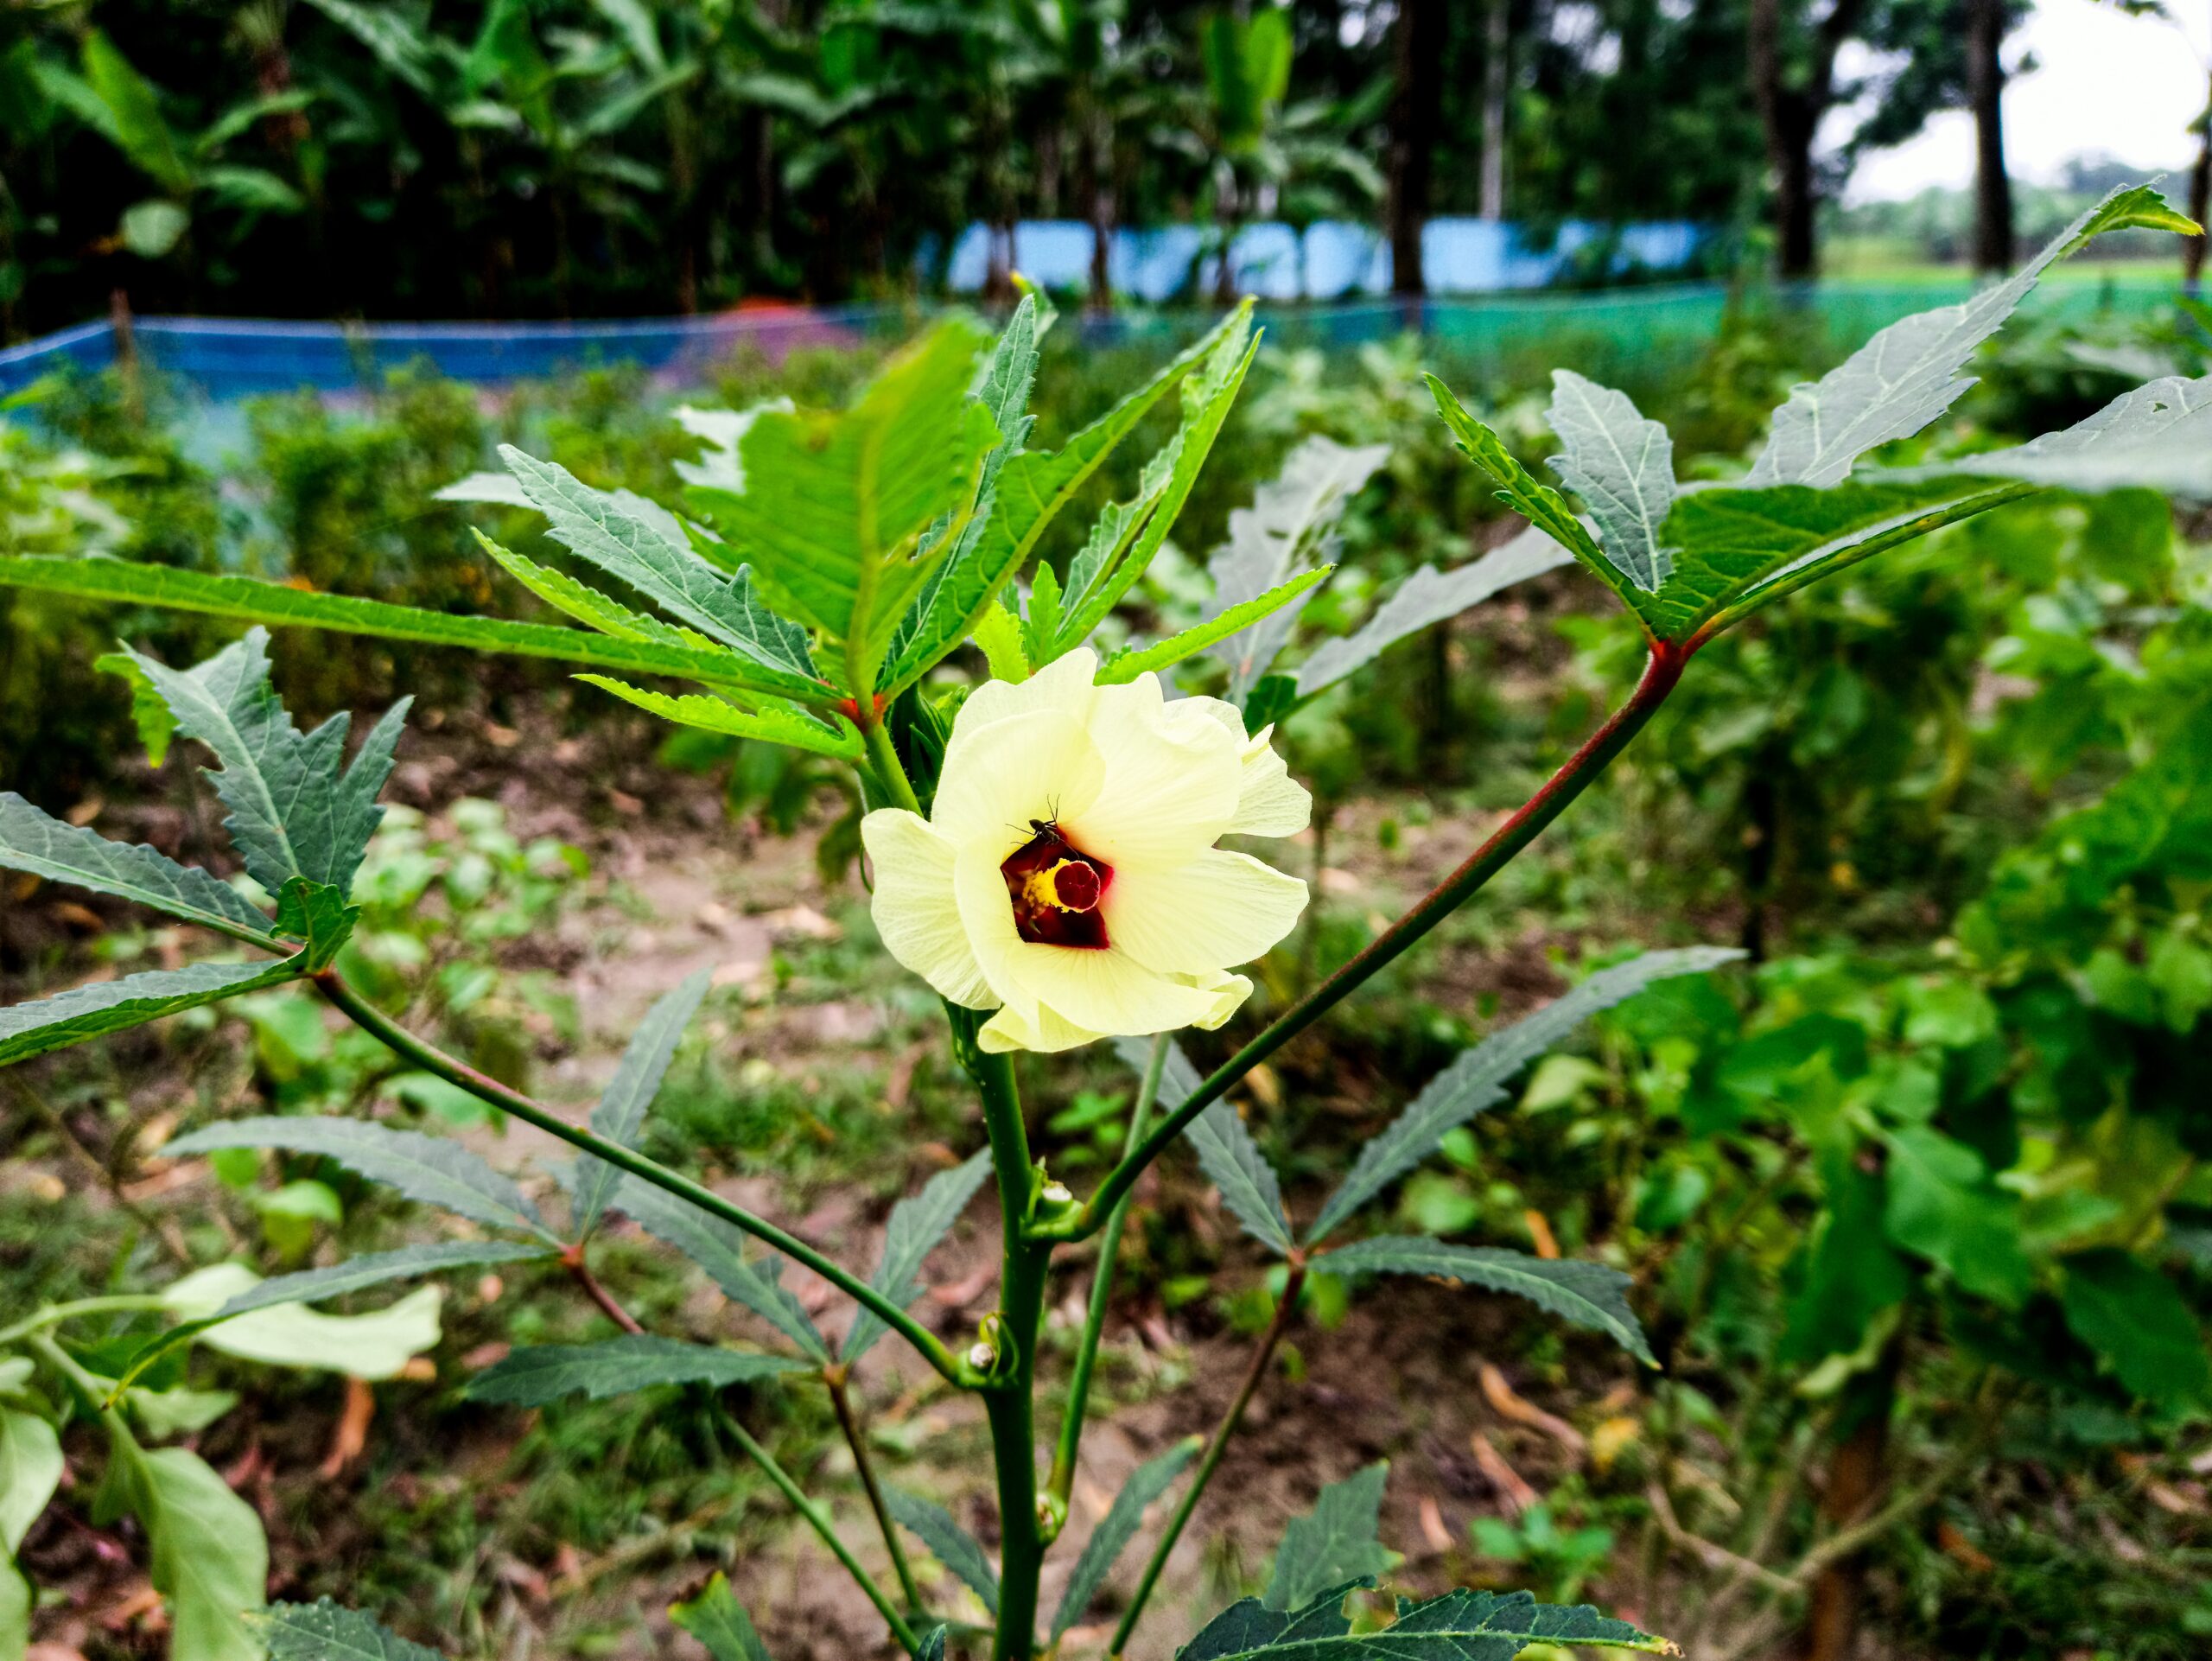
1043 848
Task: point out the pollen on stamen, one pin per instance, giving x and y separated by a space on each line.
1056 889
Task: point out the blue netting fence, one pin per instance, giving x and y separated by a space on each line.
225 359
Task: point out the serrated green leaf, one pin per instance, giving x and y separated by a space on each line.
719 1621
719 1250
1538 503
1587 1294
1623 467
135 120
35 1027
998 637
1227 1154
30 1471
1289 527
636 1080
835 503
430 1170
1129 663
155 725
1427 597
1908 374
1028 493
1208 396
714 714
34 842
627 537
916 1224
1115 1530
1739 550
317 915
1456 1626
323 1631
297 808
587 604
2138 1323
282 607
1334 1543
209 1557
2156 437
1477 1078
956 1549
545 1372
931 1647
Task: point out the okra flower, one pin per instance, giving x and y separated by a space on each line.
1067 876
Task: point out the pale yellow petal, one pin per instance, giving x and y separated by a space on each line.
1044 1032
1171 783
1228 993
986 917
1269 802
1219 909
1106 991
915 908
997 778
1063 684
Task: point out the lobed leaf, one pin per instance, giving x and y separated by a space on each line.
155 725
714 714
956 1549
1623 467
835 503
297 808
636 1080
545 1372
2156 437
323 1631
1908 374
1335 1544
315 914
718 1621
916 1224
1587 1294
1539 504
39 1025
1289 527
644 545
1115 1530
588 605
1284 601
281 606
1460 1625
1429 596
719 1250
1477 1080
34 842
1234 1164
430 1170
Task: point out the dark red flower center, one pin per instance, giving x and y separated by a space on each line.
1056 888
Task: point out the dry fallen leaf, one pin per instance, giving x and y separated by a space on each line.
1614 1437
1540 1233
1962 1551
1500 1395
1513 1492
349 1437
1432 1526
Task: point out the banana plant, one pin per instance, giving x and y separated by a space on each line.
111 98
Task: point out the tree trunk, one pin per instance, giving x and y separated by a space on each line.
2200 208
1857 1472
1413 112
1790 115
1497 84
1992 196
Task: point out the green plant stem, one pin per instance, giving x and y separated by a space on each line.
1285 1311
1009 1399
1062 1479
1663 671
888 771
428 1057
848 1422
53 1315
820 1523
